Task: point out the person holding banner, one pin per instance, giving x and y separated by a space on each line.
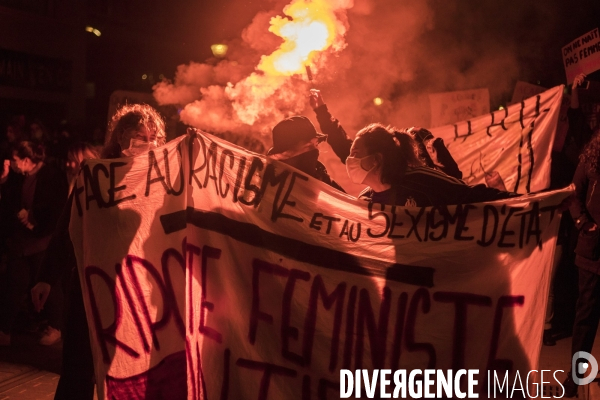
387 160
585 210
295 142
432 150
133 127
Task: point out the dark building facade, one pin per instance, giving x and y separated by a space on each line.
42 60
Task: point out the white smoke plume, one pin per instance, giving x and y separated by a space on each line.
395 50
243 94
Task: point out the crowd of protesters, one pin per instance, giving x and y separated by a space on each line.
406 167
39 268
34 184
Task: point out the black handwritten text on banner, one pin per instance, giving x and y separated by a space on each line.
209 270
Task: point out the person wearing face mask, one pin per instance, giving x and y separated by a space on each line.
295 143
432 150
387 160
134 129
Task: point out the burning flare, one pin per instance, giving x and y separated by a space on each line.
256 102
309 28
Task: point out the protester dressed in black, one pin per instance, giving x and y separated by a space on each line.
295 143
396 173
387 161
432 150
434 153
36 200
585 210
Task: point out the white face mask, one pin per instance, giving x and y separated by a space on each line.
138 147
356 173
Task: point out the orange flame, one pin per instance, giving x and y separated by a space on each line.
312 27
270 93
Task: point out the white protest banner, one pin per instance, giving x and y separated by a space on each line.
513 145
212 272
582 55
525 90
451 107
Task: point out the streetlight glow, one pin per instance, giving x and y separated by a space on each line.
93 30
219 50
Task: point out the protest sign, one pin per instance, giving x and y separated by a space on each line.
212 272
582 55
451 107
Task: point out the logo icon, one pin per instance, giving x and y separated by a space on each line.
580 363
